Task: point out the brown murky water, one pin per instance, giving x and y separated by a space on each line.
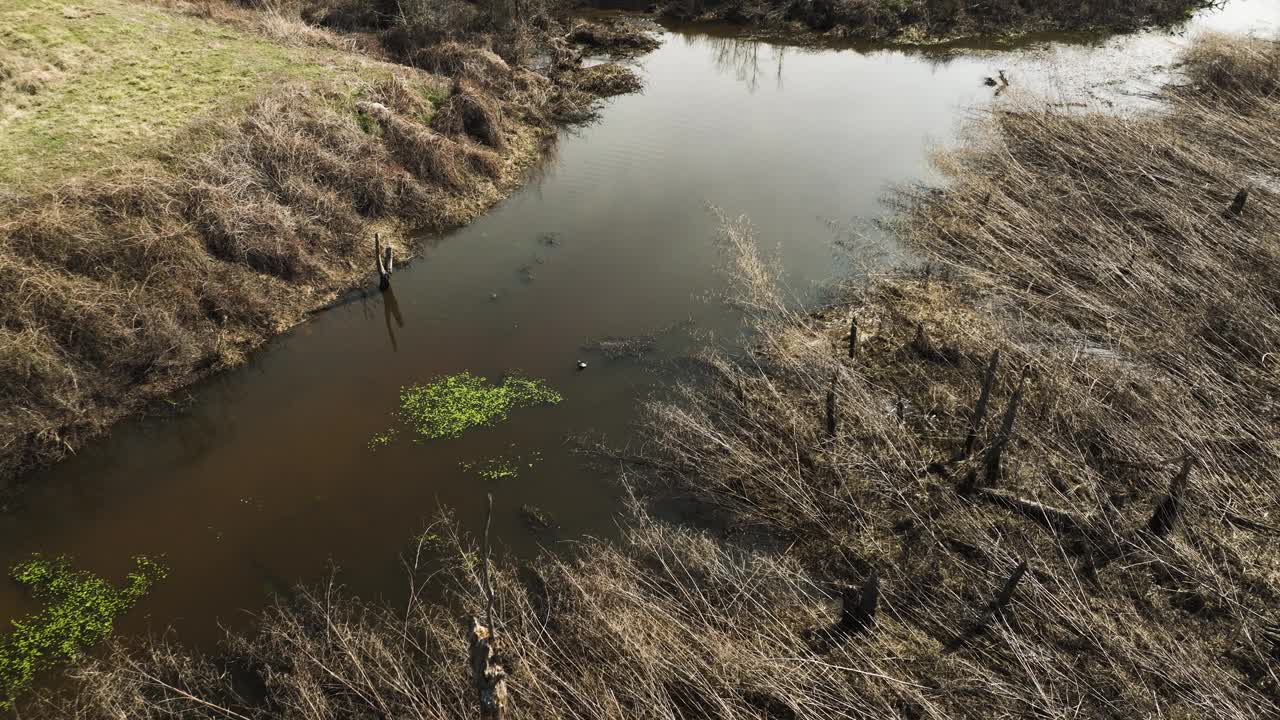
266 478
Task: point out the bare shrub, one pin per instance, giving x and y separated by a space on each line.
909 18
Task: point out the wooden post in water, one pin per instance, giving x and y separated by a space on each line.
382 259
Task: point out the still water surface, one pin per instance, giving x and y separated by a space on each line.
266 479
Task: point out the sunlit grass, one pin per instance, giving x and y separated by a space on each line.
105 81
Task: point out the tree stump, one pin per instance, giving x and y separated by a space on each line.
487 673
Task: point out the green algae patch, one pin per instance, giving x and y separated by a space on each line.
79 610
502 467
454 404
382 439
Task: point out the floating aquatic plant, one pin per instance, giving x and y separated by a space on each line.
79 610
382 439
502 467
453 404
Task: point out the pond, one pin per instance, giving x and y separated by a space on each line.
264 477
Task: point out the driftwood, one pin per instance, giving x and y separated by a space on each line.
382 259
1046 515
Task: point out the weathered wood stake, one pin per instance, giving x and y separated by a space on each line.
382 259
1166 514
1237 205
996 451
1006 592
980 411
858 609
831 405
923 345
853 335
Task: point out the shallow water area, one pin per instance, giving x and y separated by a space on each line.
266 477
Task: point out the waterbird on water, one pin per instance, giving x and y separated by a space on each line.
582 365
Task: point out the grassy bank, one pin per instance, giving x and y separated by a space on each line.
932 20
183 182
102 82
1082 525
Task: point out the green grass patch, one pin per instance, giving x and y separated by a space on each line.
101 82
453 404
79 610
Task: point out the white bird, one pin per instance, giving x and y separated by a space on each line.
582 365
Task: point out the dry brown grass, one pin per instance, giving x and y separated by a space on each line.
669 624
1093 252
616 36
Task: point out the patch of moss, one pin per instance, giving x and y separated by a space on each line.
79 610
453 404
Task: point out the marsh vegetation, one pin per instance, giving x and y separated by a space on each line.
1034 475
